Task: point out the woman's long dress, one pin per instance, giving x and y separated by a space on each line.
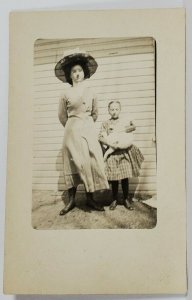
82 154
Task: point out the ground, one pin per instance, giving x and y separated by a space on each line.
47 204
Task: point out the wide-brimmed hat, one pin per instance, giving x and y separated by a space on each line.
71 58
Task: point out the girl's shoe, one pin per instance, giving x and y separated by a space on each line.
94 205
127 204
113 205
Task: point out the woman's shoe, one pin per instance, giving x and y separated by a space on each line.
127 204
113 205
94 205
68 207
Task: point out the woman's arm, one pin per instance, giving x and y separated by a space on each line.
62 111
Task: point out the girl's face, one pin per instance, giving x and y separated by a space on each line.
114 110
77 73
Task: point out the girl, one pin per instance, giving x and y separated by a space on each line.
121 164
82 154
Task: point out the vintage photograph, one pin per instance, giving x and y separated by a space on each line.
94 134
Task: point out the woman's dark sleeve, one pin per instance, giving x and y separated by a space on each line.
62 111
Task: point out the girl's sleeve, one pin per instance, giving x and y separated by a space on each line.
62 112
94 111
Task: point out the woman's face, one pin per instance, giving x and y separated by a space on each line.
77 73
114 110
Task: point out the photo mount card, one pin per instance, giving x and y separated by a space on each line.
82 252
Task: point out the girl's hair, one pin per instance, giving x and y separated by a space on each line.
67 71
114 101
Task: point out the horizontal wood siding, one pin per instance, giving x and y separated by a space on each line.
126 72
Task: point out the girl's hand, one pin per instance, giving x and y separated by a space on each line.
114 146
130 128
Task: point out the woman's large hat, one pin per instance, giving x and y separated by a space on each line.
71 58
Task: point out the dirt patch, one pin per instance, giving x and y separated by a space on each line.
47 204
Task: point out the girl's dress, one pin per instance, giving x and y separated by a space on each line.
82 154
122 163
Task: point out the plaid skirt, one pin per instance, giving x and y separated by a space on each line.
124 163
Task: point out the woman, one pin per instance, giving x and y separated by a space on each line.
82 154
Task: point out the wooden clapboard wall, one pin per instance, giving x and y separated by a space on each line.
126 73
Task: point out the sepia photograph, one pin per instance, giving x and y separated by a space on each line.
94 133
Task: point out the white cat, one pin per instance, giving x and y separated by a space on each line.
119 138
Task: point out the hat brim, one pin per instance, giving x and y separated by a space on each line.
70 60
